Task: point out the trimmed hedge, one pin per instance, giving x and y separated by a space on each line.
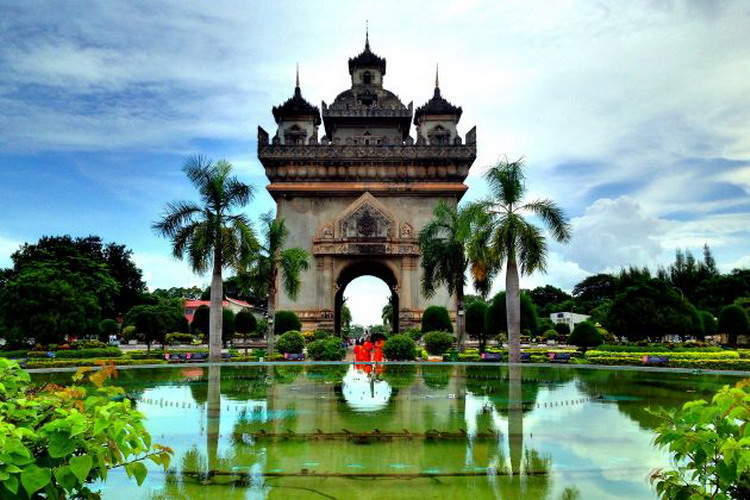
21 353
326 349
703 364
291 342
400 348
671 355
179 338
107 352
65 363
656 348
159 354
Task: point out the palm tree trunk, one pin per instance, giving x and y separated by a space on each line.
515 419
513 310
271 312
215 314
213 418
460 316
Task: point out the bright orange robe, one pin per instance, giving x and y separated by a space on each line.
367 348
378 353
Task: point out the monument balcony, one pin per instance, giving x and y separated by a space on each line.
358 161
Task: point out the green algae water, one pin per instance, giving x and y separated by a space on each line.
402 431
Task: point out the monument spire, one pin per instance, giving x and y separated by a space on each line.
367 34
297 90
437 81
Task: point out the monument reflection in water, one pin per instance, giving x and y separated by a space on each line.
402 431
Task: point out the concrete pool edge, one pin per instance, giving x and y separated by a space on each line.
649 369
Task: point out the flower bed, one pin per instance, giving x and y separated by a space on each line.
703 364
106 352
671 355
66 363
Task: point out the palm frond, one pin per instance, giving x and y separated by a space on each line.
292 262
531 248
506 181
552 216
176 215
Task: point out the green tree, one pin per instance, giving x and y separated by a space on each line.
436 319
272 261
496 319
285 321
585 335
107 328
386 314
201 320
594 290
686 273
152 322
227 326
650 311
245 324
546 299
346 319
453 239
475 321
43 304
718 291
209 233
514 241
734 322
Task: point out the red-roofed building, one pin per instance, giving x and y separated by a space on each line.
234 305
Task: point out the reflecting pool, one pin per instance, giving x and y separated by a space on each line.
402 431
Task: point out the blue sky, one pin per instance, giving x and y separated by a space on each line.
634 116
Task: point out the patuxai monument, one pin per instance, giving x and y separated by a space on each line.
356 193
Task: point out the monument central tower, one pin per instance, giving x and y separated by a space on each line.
357 197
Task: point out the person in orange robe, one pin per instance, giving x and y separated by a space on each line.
358 351
367 347
377 354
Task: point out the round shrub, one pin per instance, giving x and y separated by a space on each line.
414 333
245 322
108 327
734 322
292 342
436 343
200 323
562 329
585 335
550 335
285 321
321 334
326 349
436 319
227 326
400 348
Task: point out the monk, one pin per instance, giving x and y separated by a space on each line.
359 351
367 347
377 354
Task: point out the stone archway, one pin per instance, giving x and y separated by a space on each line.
365 267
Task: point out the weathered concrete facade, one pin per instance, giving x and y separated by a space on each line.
357 198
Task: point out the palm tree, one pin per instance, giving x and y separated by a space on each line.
273 258
453 239
208 233
516 242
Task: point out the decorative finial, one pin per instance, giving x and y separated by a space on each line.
297 82
437 81
367 34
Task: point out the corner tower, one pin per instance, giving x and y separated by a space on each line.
357 198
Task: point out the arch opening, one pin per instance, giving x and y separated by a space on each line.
366 268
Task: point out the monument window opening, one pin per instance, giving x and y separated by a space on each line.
367 78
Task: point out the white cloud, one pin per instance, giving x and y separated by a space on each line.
163 271
615 233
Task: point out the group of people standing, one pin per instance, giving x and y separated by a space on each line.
369 349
